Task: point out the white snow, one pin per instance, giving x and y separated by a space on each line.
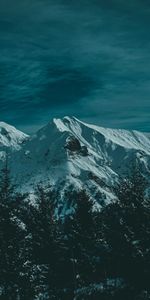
43 157
11 137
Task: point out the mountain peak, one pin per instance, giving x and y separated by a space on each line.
7 127
68 152
63 123
10 136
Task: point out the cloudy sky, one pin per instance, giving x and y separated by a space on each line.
87 58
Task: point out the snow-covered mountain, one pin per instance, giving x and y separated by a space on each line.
10 139
68 152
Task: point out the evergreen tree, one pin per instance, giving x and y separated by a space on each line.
41 226
79 249
85 255
126 230
11 236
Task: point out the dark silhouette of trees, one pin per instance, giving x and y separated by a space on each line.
125 227
85 254
11 236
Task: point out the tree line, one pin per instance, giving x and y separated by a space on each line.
87 255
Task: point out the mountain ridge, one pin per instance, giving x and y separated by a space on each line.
68 152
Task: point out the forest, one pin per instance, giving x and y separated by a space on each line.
85 255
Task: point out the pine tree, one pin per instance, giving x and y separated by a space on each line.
41 226
126 230
11 236
79 246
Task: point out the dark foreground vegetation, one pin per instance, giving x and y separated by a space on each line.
85 256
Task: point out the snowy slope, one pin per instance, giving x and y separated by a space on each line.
70 152
11 139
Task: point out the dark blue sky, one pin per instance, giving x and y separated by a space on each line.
85 58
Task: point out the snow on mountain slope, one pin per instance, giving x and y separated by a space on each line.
68 153
10 138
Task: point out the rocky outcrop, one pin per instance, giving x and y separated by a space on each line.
73 145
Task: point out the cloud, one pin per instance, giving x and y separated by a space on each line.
57 57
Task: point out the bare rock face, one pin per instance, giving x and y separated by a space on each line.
73 144
84 151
